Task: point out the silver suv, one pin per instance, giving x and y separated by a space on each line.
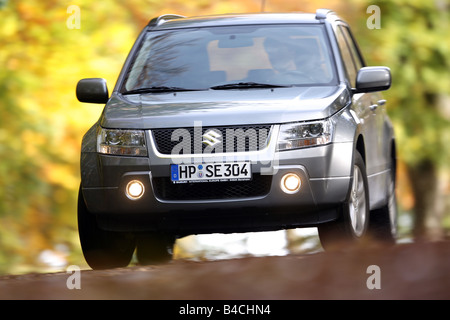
237 123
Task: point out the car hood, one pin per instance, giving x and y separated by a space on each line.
223 107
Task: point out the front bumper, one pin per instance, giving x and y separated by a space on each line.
325 172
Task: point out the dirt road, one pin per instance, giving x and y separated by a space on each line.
405 271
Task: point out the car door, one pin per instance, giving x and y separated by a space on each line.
367 106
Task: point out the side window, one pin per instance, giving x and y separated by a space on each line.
357 59
352 61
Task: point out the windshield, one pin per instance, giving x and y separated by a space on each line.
201 58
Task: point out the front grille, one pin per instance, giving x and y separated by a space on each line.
226 139
166 190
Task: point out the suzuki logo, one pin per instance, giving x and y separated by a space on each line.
212 138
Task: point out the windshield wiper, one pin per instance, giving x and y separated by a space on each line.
158 89
245 85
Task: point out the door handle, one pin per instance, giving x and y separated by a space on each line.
379 103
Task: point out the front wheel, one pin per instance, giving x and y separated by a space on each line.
352 225
102 249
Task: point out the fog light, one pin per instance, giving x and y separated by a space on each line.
291 183
134 190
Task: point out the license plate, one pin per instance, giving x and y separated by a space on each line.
211 172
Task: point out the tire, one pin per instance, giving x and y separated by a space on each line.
102 249
154 248
383 221
351 227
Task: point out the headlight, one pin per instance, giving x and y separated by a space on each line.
121 142
304 134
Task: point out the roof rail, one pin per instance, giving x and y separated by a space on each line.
321 14
165 17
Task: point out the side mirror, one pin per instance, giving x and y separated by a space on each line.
370 79
93 90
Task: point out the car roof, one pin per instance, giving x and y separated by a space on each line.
174 21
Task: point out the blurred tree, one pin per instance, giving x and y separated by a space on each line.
41 122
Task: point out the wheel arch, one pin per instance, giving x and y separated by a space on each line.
361 147
393 158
